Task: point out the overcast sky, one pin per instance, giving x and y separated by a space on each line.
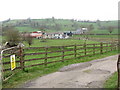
66 9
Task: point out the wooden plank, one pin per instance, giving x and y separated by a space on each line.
89 51
34 59
60 56
85 55
94 43
79 45
54 56
9 69
87 48
34 53
92 47
69 54
80 52
47 52
60 46
9 62
33 48
7 56
34 65
69 50
106 46
79 48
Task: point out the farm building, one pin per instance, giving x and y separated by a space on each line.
40 34
56 35
68 33
37 34
80 31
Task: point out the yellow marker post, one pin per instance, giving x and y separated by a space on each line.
13 63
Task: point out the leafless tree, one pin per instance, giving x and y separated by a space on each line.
12 36
90 27
110 29
29 39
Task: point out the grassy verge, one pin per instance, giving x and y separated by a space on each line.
111 82
31 73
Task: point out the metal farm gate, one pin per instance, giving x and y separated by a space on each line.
10 61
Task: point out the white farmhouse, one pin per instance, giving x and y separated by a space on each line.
80 31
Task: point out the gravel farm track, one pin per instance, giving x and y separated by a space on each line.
90 74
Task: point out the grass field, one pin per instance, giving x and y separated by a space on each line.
112 81
56 25
34 72
60 25
57 42
98 36
26 29
115 31
37 71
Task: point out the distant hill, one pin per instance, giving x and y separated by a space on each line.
60 25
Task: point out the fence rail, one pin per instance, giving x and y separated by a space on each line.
57 54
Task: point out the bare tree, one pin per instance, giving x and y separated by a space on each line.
29 39
90 27
53 19
12 36
98 23
110 29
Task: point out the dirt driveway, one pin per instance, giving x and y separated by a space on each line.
83 75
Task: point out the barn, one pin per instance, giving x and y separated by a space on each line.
37 34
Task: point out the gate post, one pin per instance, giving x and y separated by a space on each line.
118 69
1 68
21 58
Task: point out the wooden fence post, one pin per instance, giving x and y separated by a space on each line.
93 49
75 51
22 59
63 53
85 48
111 46
46 49
114 46
117 46
107 47
101 48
